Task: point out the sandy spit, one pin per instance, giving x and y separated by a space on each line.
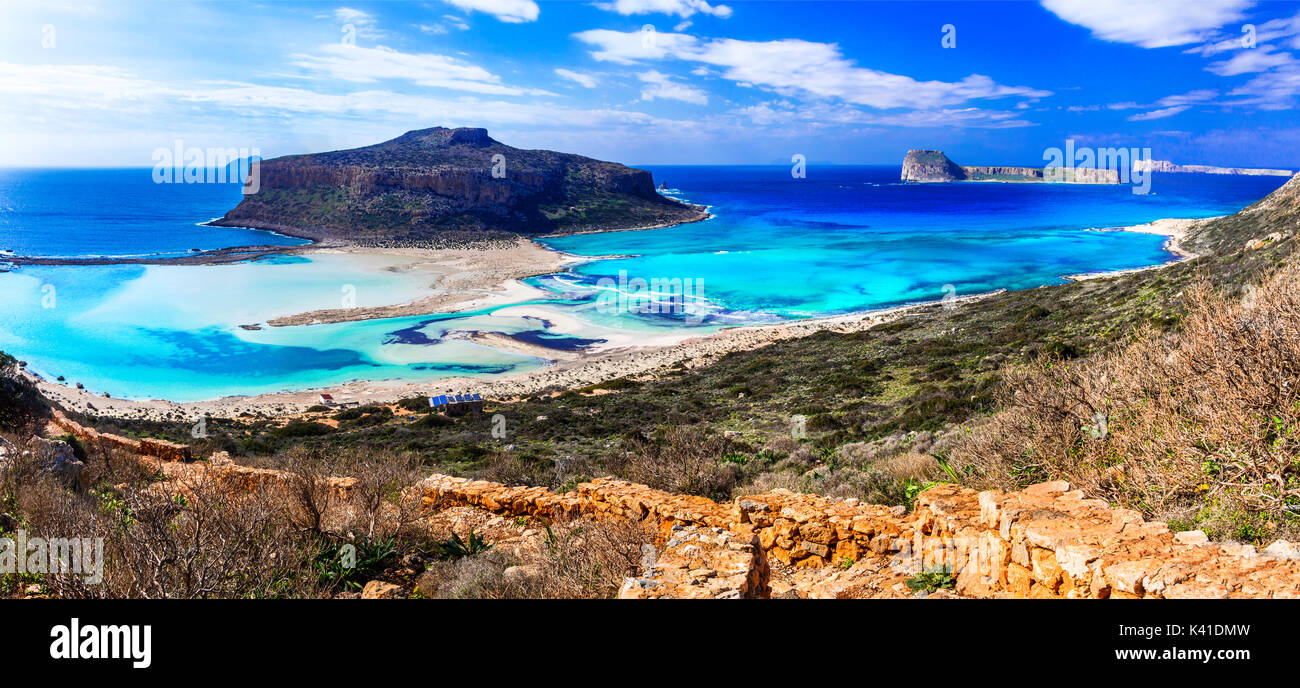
1175 230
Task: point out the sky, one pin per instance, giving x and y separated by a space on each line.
86 83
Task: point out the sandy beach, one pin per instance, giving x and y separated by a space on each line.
1176 231
460 279
610 361
463 279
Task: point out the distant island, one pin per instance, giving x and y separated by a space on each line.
934 166
1166 166
431 182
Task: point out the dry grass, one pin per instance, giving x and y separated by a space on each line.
199 542
1200 425
685 460
579 560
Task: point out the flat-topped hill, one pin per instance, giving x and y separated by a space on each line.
429 182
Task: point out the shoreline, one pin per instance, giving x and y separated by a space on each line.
1175 231
474 286
565 372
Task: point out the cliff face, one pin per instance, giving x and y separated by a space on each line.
934 166
930 166
1169 167
431 181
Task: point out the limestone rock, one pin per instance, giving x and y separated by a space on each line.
379 590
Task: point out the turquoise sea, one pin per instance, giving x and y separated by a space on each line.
844 239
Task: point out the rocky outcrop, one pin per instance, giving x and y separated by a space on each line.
703 563
432 181
1045 541
934 166
1170 167
146 446
59 460
930 166
1042 542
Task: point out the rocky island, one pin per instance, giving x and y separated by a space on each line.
934 166
430 183
1170 167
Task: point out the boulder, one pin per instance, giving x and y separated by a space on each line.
379 590
57 458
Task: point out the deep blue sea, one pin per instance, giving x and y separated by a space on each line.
116 213
848 239
844 239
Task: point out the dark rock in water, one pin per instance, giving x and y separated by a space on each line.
59 378
250 327
432 181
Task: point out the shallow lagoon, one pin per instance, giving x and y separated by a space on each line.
845 239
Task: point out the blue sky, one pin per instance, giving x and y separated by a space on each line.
86 83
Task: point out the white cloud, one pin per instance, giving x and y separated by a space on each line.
823 115
1158 114
1260 59
628 47
351 16
1269 31
1150 23
449 22
1126 105
793 66
86 86
1190 98
45 90
365 23
681 8
1275 89
662 87
367 65
512 11
585 80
